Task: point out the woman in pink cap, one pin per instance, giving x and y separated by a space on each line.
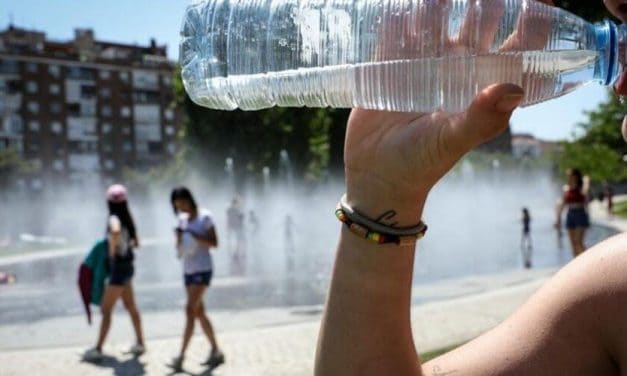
122 238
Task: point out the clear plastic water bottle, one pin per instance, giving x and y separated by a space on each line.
399 55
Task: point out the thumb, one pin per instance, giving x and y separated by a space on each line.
487 116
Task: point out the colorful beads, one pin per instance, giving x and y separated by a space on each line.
375 237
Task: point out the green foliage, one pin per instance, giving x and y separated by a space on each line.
589 10
254 139
620 209
12 166
599 151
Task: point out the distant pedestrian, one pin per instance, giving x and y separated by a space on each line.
609 198
575 198
236 236
253 222
290 247
195 236
121 240
525 241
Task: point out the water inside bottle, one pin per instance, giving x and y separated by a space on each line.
449 83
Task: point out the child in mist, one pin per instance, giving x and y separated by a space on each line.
525 241
195 236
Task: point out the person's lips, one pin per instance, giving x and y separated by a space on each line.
621 85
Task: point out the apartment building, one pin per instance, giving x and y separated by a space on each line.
85 108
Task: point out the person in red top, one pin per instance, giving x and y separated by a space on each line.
577 219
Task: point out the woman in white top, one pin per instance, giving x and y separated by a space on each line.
195 236
121 239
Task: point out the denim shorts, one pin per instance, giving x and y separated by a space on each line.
200 278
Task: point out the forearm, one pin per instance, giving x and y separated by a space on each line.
112 241
366 328
211 243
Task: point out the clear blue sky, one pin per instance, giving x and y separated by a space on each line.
136 21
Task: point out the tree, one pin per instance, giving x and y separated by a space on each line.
255 139
589 10
599 152
11 167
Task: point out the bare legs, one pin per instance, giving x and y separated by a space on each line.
110 297
195 310
128 298
576 236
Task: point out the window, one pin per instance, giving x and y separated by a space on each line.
106 128
32 87
54 89
124 76
33 126
58 165
106 148
54 71
155 147
9 66
56 127
126 130
171 148
55 107
33 147
106 110
105 92
126 111
142 147
15 124
109 164
169 114
127 147
33 107
31 67
74 109
169 130
166 79
104 74
88 91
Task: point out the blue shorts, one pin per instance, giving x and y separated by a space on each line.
577 217
200 278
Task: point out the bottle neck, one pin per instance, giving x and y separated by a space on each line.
612 47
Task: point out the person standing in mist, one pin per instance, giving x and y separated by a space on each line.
290 247
195 236
575 198
525 241
121 239
236 236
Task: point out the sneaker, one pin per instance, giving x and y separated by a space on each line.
215 359
93 355
137 350
176 364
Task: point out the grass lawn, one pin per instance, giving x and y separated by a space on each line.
620 209
434 354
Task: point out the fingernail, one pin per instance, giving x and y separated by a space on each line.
509 102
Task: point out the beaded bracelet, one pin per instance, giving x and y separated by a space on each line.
377 237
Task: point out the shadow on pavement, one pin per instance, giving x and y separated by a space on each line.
128 367
173 372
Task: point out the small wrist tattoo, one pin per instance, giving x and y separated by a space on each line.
437 371
387 218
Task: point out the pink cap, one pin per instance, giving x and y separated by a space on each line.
116 193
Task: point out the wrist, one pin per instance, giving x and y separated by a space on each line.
376 199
